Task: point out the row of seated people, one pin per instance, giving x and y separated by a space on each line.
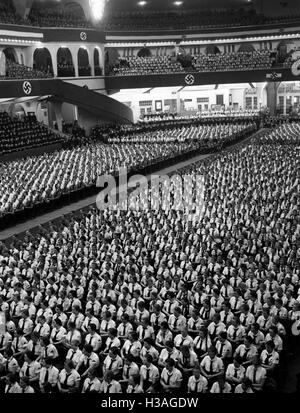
202 133
147 300
33 180
57 17
65 69
274 121
18 71
226 113
260 59
189 19
146 66
8 14
16 134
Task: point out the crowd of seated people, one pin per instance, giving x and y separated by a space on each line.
149 301
17 135
146 66
191 19
286 133
85 70
259 59
7 13
57 16
224 113
33 180
199 133
65 68
18 71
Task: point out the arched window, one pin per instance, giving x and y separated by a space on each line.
144 52
246 48
84 68
11 54
65 67
212 49
42 60
98 70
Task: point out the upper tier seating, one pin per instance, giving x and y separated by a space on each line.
147 66
135 66
57 16
18 71
260 59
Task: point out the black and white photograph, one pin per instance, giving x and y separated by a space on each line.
149 203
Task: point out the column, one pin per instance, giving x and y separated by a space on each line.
272 88
53 52
58 115
74 53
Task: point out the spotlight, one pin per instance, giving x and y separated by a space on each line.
97 9
142 3
178 3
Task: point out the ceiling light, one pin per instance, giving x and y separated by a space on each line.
142 3
178 3
97 9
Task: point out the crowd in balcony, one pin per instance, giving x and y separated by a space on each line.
111 301
134 66
17 135
8 14
57 16
18 71
191 19
147 66
259 59
65 68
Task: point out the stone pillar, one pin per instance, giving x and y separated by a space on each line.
53 52
91 56
272 89
74 52
58 114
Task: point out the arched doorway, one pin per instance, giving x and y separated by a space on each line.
144 52
112 58
212 49
16 110
98 71
246 48
9 62
65 66
42 60
84 68
10 54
